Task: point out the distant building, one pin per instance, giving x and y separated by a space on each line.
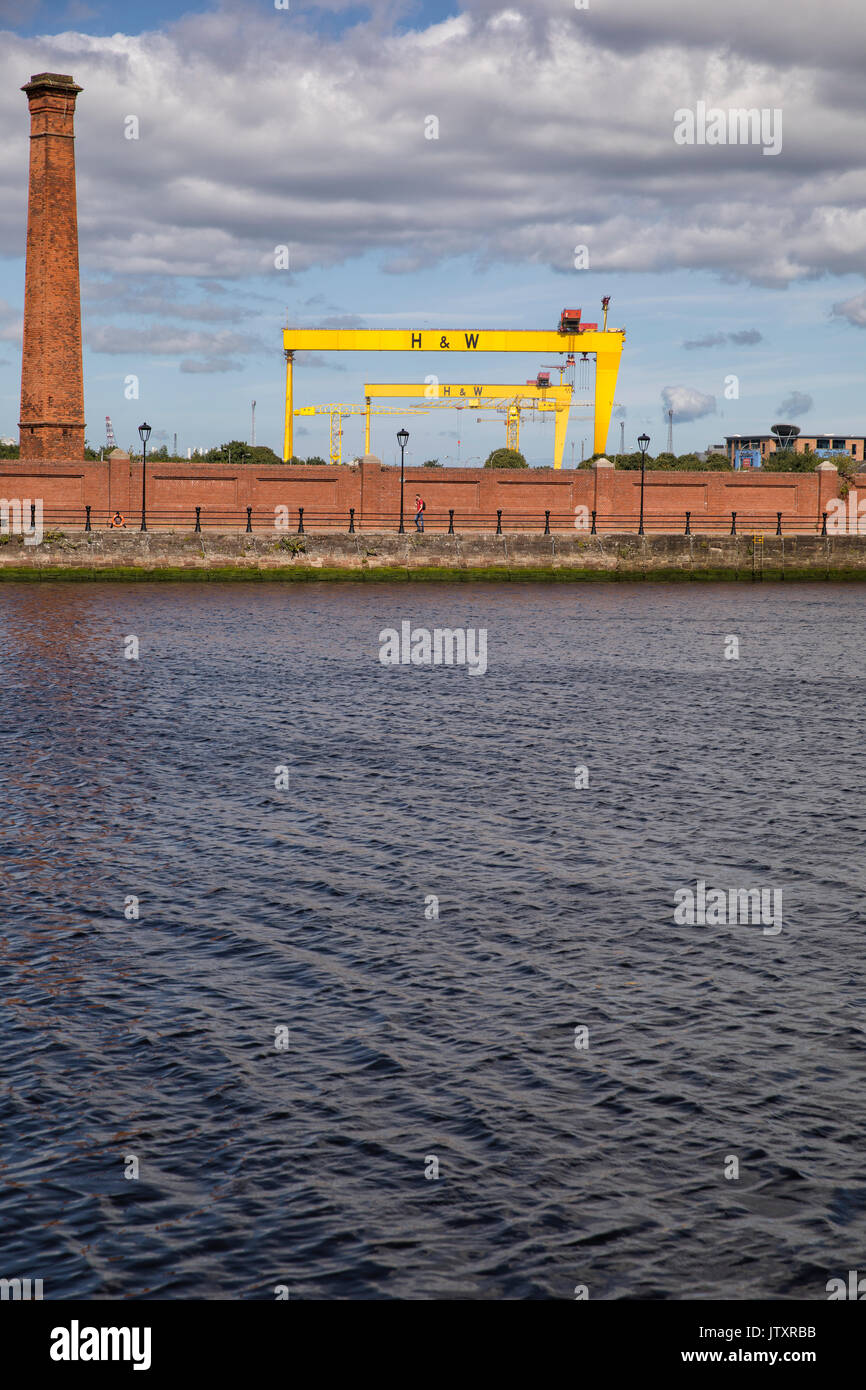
758 446
5 440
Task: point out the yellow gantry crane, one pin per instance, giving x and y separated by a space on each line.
511 400
569 337
486 399
338 413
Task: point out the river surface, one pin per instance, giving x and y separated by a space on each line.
708 1142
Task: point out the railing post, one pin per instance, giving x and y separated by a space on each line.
778 523
351 520
499 522
733 523
547 523
300 521
33 514
451 521
688 530
824 524
249 518
592 530
87 526
198 518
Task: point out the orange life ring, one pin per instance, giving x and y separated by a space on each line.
115 523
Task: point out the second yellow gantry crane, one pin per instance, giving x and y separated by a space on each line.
512 400
338 413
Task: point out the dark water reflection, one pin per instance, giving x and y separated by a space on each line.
414 1037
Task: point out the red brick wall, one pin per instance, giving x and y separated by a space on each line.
175 489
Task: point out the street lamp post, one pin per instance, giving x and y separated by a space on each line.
402 440
144 432
643 444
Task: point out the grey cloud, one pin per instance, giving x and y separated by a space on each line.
796 403
78 11
234 160
161 300
18 11
711 340
316 360
775 31
742 338
166 340
210 364
854 310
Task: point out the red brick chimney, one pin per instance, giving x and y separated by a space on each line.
52 388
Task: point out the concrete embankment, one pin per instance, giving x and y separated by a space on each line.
131 555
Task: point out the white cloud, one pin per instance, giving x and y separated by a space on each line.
687 403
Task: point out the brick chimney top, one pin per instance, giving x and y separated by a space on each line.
57 81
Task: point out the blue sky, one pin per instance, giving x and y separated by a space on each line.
307 129
35 17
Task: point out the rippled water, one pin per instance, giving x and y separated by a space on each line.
411 1037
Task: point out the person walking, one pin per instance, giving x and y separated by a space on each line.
420 508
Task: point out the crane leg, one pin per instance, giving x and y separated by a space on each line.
606 369
288 431
560 421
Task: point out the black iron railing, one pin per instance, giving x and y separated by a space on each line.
449 521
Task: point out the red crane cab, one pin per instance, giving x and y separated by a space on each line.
569 321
